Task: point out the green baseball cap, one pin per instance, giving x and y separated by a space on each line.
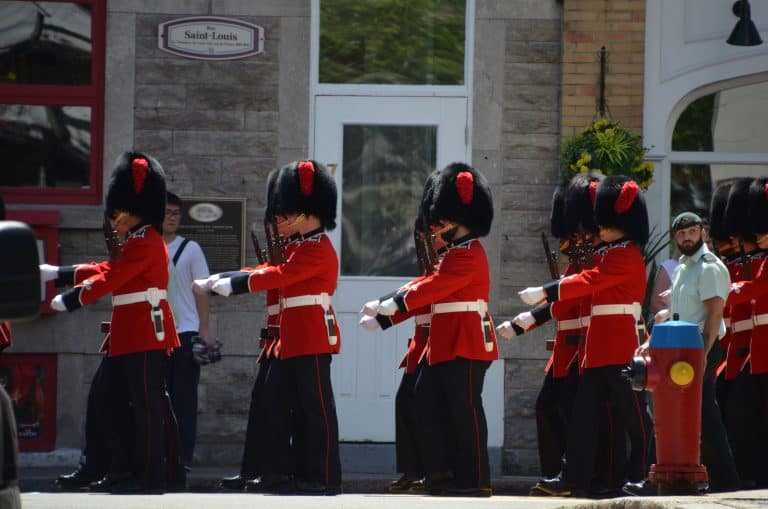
686 220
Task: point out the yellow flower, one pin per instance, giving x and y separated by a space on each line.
583 169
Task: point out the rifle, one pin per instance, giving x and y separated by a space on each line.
551 258
425 252
256 247
746 262
275 246
111 238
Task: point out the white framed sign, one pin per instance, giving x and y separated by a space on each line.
210 38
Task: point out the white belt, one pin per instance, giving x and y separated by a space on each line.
760 319
633 309
478 306
273 310
151 295
322 299
423 319
585 320
741 325
727 322
572 324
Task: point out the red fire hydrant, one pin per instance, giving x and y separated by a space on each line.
674 372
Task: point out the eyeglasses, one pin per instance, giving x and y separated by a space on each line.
172 213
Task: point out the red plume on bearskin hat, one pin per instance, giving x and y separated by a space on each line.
620 204
138 187
737 210
718 229
306 187
580 195
461 194
758 205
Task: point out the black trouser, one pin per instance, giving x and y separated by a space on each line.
761 477
255 431
408 429
553 411
455 386
182 382
611 461
595 386
741 417
275 441
139 379
715 451
100 438
309 383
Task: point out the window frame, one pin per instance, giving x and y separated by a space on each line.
91 96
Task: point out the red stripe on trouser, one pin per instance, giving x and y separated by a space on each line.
645 434
611 443
148 424
477 427
325 417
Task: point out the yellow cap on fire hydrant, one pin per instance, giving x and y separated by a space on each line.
681 373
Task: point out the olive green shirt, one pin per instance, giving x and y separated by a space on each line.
697 278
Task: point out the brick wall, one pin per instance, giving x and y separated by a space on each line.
619 25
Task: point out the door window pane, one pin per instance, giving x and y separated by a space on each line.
45 146
731 120
402 42
45 43
384 172
692 184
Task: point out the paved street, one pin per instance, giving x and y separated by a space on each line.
35 500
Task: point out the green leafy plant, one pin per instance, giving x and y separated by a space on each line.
608 148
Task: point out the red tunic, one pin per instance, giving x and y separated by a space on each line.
5 335
755 292
740 312
620 278
566 338
311 268
461 276
142 264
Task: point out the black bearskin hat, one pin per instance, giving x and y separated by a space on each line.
269 212
737 210
620 204
462 195
306 187
557 224
718 229
580 196
138 187
426 199
758 205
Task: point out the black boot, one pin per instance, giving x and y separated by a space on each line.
77 480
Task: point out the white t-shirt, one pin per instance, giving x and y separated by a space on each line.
190 265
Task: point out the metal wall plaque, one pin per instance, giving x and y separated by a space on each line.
210 38
218 225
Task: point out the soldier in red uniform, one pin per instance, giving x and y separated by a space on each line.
142 332
617 287
742 412
462 341
408 430
305 206
5 327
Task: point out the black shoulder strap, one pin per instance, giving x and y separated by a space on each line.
178 251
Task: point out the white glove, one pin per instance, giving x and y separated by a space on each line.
369 323
506 330
532 295
388 307
223 286
57 303
203 286
371 308
524 320
48 272
661 316
665 296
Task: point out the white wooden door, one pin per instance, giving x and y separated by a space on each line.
381 149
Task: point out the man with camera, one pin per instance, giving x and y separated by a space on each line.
191 313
